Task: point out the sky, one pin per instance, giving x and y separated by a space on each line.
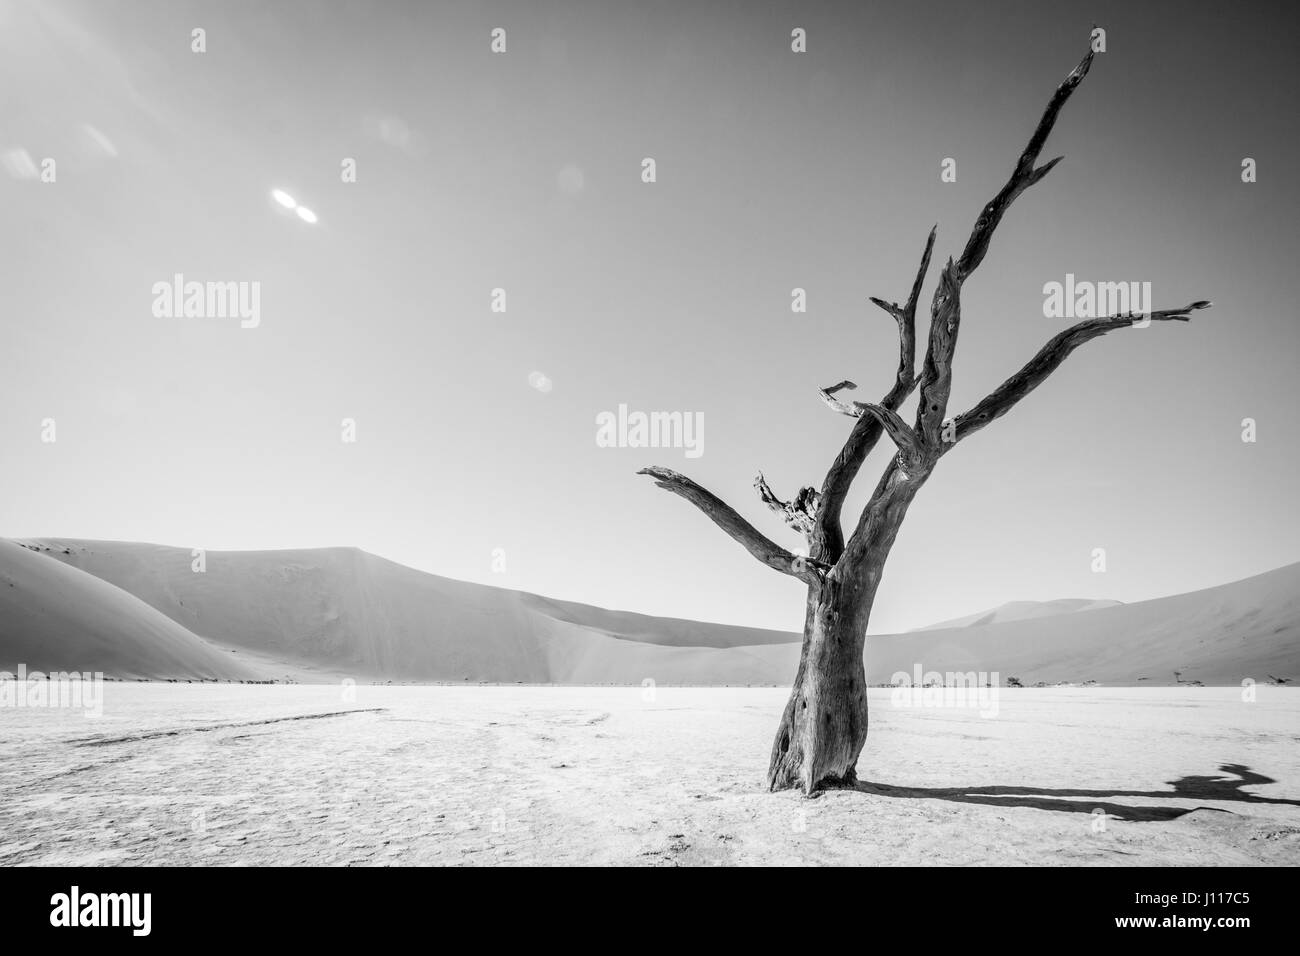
522 170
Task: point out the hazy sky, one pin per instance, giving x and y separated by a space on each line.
522 171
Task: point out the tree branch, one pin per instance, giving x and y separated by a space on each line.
726 518
800 514
945 311
844 408
879 519
827 540
902 436
894 426
905 316
936 373
1024 176
1049 358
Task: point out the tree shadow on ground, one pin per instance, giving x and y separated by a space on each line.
1225 789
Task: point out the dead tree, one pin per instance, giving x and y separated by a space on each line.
824 726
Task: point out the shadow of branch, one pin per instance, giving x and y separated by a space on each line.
1229 789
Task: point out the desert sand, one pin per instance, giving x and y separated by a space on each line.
231 775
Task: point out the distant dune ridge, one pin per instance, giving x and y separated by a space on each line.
140 611
56 618
1021 611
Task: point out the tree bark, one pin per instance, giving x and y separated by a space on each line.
824 726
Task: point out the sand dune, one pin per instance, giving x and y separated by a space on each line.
343 612
56 618
335 612
1022 611
1221 635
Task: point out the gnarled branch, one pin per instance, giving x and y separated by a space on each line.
726 518
844 408
902 436
1003 398
945 311
827 539
1024 175
889 420
800 514
905 316
936 373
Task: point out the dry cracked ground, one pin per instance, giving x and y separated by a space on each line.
216 774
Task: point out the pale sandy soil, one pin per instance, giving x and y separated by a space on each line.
215 774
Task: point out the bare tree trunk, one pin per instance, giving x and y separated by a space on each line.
824 726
